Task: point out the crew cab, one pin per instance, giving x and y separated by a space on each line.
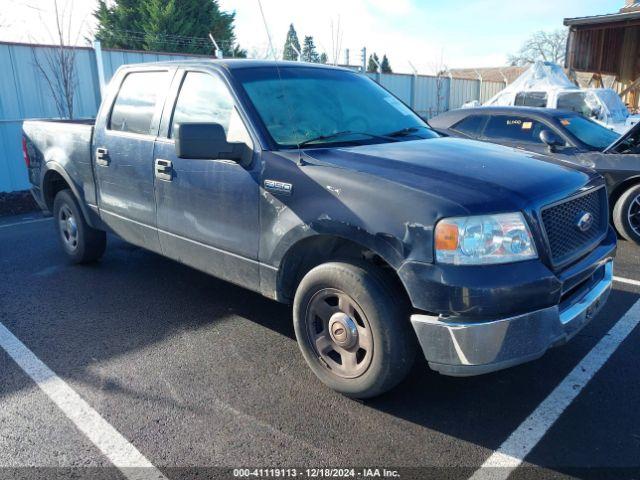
316 187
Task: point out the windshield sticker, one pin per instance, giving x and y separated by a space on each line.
514 122
565 122
527 125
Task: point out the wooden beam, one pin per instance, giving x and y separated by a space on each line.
633 86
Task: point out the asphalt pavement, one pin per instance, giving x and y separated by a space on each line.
199 377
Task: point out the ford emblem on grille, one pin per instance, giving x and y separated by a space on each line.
585 220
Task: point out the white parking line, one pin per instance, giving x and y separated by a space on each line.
520 443
111 443
35 220
627 280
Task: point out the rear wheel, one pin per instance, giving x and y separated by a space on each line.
353 329
626 214
81 243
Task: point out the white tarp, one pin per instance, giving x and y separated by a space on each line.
540 77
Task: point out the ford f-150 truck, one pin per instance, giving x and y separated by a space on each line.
315 186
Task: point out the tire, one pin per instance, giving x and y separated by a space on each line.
337 304
80 242
626 214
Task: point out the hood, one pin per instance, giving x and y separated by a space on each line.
631 135
480 177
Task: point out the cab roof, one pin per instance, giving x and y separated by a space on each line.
232 64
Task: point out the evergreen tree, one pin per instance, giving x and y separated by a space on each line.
372 66
116 23
385 66
289 53
309 52
180 26
323 58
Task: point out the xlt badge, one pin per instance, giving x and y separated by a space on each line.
277 187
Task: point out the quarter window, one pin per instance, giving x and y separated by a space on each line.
470 125
514 129
203 98
136 103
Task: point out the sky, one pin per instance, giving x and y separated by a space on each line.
427 34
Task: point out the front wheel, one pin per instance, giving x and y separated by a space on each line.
353 329
626 214
81 242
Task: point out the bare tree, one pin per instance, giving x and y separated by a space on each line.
441 71
549 46
57 64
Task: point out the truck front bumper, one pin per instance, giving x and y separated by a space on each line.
455 347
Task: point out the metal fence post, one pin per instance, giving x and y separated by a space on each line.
97 49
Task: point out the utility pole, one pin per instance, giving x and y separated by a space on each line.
346 56
363 58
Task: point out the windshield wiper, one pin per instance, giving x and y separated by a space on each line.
403 132
329 136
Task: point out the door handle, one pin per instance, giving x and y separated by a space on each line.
102 157
164 170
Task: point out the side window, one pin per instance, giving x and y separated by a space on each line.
203 98
531 99
136 102
514 129
470 126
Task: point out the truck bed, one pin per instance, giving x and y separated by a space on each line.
66 142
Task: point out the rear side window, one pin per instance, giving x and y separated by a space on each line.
515 129
136 102
531 99
470 126
203 98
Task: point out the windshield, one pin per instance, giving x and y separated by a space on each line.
589 132
322 106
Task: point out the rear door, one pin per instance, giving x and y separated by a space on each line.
123 156
208 210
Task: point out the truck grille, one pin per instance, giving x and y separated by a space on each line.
566 239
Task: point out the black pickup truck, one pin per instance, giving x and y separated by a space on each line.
315 186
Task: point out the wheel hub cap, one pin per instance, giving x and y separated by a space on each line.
72 227
343 330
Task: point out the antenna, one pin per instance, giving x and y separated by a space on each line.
284 93
298 52
266 27
377 63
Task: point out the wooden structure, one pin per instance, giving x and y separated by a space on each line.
608 45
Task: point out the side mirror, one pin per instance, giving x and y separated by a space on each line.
551 140
208 141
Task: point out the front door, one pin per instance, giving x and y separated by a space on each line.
207 210
515 131
123 155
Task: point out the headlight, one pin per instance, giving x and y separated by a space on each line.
484 239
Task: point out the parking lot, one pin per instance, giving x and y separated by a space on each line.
191 372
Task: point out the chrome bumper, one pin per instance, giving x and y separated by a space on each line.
464 349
